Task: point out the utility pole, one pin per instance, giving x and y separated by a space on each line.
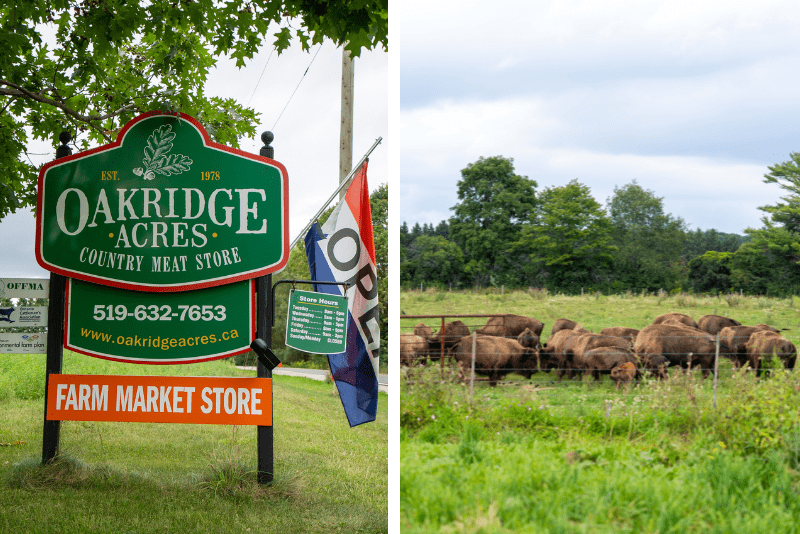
346 130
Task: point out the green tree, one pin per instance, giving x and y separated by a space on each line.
711 272
701 241
649 241
433 260
89 66
768 263
569 242
379 206
494 204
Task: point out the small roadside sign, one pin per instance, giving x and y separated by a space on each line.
17 343
316 322
23 316
26 288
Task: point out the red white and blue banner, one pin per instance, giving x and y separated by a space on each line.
342 250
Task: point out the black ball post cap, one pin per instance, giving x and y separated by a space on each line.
267 138
64 137
265 355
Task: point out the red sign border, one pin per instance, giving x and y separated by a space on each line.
207 142
160 362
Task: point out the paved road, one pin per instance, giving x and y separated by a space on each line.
318 374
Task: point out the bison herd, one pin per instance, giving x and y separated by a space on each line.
511 343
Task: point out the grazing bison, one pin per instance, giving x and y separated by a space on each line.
624 373
735 338
605 359
510 325
681 317
447 337
680 346
495 357
764 344
714 323
562 324
552 355
577 346
656 365
424 331
528 338
413 349
620 331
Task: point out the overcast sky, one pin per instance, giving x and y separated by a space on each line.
306 135
693 99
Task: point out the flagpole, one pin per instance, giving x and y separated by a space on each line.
342 185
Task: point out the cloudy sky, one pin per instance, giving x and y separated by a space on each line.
693 99
306 135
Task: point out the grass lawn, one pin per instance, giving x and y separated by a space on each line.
148 477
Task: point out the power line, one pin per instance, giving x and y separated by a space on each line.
262 75
295 89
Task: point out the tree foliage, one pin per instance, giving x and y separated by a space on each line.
494 204
647 239
89 66
569 242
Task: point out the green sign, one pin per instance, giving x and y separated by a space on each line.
161 209
316 322
160 328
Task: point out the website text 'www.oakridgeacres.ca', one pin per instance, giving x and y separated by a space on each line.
162 342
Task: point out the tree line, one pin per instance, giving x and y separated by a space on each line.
503 232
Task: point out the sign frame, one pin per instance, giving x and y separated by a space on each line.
47 217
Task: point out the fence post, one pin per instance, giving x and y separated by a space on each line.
472 371
716 371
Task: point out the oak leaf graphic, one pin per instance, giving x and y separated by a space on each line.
157 159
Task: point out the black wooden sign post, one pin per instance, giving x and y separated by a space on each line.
55 337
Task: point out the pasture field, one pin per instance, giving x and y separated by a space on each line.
578 456
148 477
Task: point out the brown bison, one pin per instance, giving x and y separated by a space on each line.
620 331
494 357
735 338
606 359
447 337
764 344
552 354
714 323
528 338
510 325
680 317
624 373
413 349
576 347
424 331
680 346
562 324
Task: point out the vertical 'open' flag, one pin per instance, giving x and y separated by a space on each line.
342 250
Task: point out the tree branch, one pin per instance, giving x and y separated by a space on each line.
19 91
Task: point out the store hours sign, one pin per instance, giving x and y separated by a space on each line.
163 208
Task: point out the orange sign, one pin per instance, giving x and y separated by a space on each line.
160 399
